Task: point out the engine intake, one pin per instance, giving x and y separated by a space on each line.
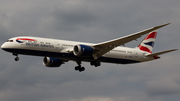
83 51
52 62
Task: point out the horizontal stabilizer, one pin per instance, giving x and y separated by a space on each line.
159 53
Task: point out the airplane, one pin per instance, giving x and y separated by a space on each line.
57 52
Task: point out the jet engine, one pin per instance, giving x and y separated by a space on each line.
52 62
83 51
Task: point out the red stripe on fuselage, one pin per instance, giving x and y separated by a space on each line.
25 39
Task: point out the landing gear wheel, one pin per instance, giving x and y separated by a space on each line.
77 68
95 63
81 69
16 59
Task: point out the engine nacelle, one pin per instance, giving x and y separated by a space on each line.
52 62
83 51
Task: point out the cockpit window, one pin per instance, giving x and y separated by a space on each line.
9 41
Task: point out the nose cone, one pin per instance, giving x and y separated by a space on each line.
3 46
6 47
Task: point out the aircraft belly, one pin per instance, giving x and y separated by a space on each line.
71 56
118 57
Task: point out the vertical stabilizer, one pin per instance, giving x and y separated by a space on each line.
148 43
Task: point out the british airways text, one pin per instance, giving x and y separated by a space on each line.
39 45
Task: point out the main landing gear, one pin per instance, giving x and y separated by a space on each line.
79 67
17 58
95 63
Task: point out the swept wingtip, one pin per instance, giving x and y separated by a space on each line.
164 25
167 24
175 49
157 27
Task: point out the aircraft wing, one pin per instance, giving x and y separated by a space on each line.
104 47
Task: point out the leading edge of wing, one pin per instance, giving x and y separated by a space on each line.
104 47
131 37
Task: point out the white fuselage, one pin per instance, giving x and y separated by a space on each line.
63 49
57 52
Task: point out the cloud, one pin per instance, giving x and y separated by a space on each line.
69 17
89 21
162 87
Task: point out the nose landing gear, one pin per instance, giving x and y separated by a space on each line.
17 58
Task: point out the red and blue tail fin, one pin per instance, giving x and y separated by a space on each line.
148 43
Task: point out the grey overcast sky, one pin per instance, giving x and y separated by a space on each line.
90 21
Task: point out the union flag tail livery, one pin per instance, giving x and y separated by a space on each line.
148 43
